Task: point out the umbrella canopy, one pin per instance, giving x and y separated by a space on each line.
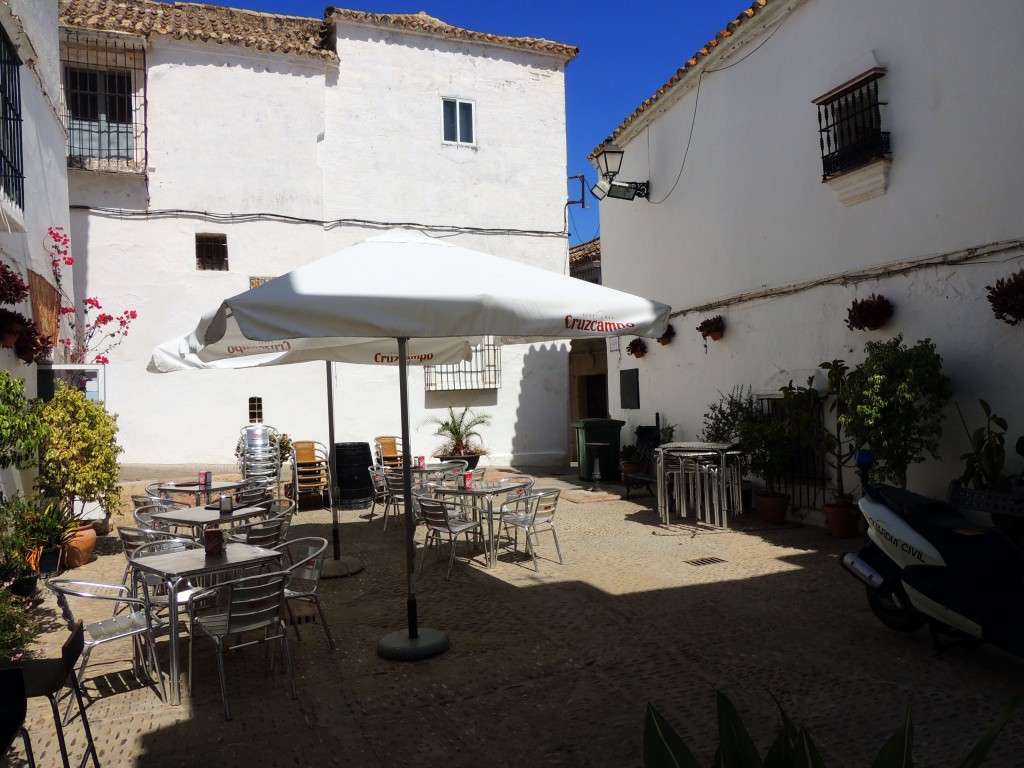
403 285
434 297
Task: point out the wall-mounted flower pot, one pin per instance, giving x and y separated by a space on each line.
716 335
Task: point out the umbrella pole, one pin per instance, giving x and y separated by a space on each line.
340 565
414 642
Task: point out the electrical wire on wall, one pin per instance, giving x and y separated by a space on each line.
696 101
988 253
248 218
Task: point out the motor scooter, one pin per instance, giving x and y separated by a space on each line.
926 562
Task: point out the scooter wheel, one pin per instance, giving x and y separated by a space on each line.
890 613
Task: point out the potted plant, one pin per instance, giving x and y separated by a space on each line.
17 549
637 347
1007 298
32 346
12 325
13 290
666 338
894 403
78 456
711 328
50 527
771 441
869 314
21 428
461 439
842 518
632 459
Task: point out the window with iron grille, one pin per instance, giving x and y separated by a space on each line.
589 272
806 482
12 170
850 125
257 280
255 410
212 252
104 102
482 371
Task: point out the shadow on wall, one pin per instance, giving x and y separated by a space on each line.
540 433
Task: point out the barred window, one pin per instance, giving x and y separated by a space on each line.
12 169
255 410
850 125
212 253
104 102
483 371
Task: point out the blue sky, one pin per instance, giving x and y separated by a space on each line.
627 51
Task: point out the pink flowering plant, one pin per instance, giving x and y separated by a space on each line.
92 332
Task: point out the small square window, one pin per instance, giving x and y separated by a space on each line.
458 121
212 252
255 410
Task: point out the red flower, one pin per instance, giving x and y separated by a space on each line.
91 302
101 359
67 310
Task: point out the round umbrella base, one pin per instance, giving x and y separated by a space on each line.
398 646
346 565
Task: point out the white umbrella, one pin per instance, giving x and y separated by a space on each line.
422 292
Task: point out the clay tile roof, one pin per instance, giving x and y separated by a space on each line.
296 35
585 252
421 22
682 72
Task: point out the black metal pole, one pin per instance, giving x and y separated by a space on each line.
410 523
335 533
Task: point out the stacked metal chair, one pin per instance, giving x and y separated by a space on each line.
260 458
313 470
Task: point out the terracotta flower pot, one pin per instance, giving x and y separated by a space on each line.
842 519
716 335
773 507
78 551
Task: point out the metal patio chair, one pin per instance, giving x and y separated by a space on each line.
444 518
303 559
239 609
533 513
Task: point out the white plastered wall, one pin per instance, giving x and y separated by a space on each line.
749 211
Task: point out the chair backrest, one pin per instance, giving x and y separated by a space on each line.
253 602
309 451
13 705
395 481
72 649
133 538
304 560
545 502
389 450
144 516
265 534
436 512
254 491
377 478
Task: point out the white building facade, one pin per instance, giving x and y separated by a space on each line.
259 143
33 172
746 218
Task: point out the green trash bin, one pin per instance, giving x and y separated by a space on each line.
598 439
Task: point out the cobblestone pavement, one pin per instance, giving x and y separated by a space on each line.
555 668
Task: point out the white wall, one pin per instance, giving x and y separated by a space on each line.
234 131
750 211
33 31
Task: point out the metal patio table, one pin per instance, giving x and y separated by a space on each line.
201 518
694 450
482 495
176 568
198 491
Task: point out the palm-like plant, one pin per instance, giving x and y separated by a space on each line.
459 432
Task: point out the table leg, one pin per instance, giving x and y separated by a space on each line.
492 558
174 691
662 506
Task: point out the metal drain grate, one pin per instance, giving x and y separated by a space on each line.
705 561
